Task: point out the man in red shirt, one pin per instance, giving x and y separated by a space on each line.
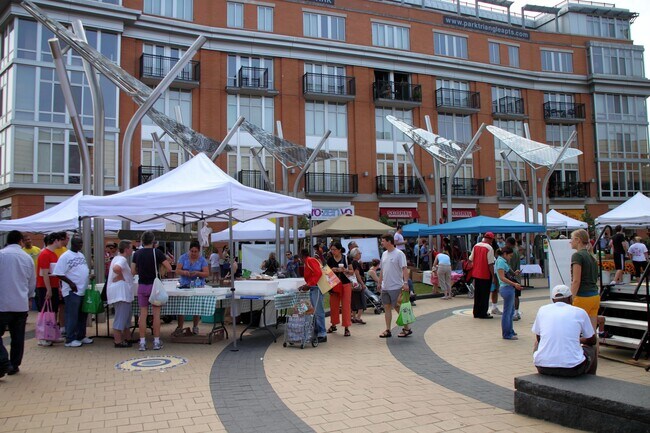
313 272
482 258
47 287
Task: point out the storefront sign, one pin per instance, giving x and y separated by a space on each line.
327 213
482 26
325 2
399 213
458 214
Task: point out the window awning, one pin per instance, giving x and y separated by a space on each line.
399 213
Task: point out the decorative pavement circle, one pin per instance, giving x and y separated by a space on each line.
463 312
151 363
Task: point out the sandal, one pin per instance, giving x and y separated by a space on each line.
361 322
405 333
386 334
331 329
346 333
122 344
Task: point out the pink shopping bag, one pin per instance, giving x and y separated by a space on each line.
46 326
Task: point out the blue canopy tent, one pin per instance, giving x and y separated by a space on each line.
482 224
412 230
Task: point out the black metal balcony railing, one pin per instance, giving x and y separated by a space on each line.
148 172
154 66
564 110
463 186
257 78
397 91
398 185
331 183
253 178
453 98
568 190
328 84
509 189
508 105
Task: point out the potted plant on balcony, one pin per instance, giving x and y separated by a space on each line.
417 93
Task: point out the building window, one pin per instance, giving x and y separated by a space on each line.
384 130
264 19
328 78
337 164
180 9
256 109
455 127
236 15
323 26
608 27
242 159
494 53
502 171
617 61
513 56
450 45
390 36
610 107
321 116
235 63
557 61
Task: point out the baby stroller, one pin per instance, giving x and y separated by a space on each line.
371 296
462 281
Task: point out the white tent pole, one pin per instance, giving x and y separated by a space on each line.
233 308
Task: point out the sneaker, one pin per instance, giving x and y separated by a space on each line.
516 317
142 347
514 337
496 311
195 330
73 343
157 345
44 343
87 340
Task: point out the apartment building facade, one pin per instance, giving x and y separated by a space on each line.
318 65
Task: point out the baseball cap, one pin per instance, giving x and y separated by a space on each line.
488 235
560 291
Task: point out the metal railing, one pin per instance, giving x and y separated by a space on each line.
397 91
253 77
564 110
328 84
463 187
149 172
253 178
331 183
509 189
568 189
398 185
508 105
454 98
155 66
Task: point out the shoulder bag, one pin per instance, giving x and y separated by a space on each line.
158 295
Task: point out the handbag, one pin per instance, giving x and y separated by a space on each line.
46 326
406 315
328 281
512 276
355 283
92 303
158 295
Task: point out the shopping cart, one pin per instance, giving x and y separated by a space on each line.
299 328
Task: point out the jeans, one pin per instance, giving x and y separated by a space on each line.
14 322
508 295
317 301
75 319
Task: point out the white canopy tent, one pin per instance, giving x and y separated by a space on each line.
64 216
556 219
518 214
196 190
253 230
635 212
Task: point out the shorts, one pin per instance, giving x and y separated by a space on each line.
619 261
122 318
517 293
390 297
589 303
144 291
214 271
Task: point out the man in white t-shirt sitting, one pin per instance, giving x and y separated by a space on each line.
565 338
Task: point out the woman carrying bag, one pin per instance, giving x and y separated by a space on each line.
341 295
119 293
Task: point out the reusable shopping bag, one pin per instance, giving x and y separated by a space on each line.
158 295
92 303
406 315
328 281
46 326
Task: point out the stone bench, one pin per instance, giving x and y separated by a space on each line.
587 402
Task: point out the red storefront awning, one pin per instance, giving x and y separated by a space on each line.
458 214
399 213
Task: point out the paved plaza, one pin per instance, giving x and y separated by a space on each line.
454 374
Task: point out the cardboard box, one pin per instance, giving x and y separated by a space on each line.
416 276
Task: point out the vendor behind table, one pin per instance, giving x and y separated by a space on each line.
192 269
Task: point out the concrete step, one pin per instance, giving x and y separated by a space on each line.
618 341
626 323
625 305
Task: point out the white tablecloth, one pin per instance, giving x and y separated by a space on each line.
531 269
426 277
290 284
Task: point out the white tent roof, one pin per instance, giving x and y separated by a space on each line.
254 230
635 212
197 190
559 220
518 214
64 216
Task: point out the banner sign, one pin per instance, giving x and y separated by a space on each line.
325 2
481 26
399 213
327 213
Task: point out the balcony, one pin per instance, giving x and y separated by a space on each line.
564 112
154 68
324 87
254 179
251 81
509 189
463 187
149 172
398 186
568 190
508 107
396 95
327 184
457 101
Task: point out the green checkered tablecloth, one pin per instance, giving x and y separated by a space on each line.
198 305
